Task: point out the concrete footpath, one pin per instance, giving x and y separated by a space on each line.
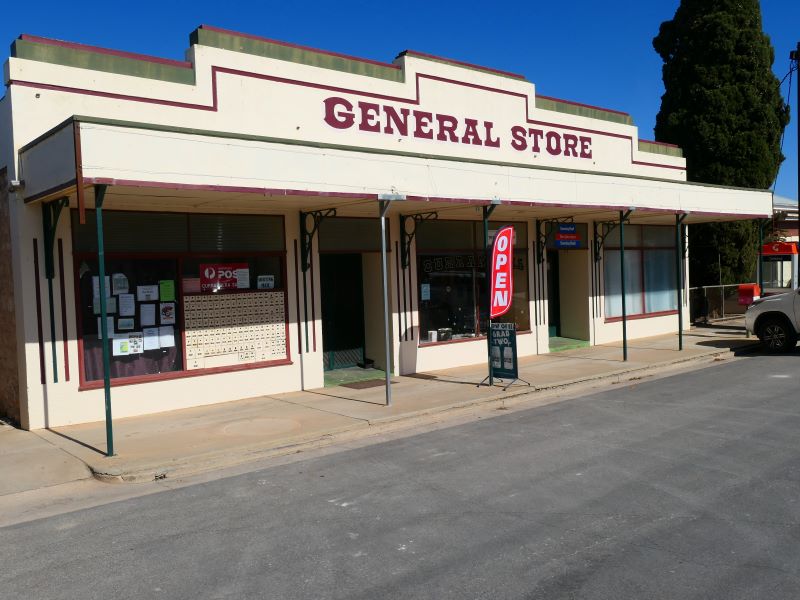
190 441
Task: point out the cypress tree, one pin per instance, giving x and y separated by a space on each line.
722 104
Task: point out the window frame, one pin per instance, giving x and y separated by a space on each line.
641 248
476 250
179 257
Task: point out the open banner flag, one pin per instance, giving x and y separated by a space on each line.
502 278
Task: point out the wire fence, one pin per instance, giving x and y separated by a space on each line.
715 302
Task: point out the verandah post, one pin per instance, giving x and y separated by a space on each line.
99 197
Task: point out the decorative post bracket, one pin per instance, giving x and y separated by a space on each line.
408 236
307 235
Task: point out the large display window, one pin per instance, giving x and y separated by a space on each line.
185 294
451 270
650 287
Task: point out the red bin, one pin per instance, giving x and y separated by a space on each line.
749 293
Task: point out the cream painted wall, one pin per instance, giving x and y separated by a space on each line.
373 307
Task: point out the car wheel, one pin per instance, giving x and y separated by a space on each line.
777 335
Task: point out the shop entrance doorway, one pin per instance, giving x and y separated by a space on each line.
553 294
567 299
342 282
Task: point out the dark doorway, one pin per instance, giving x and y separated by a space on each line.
553 294
341 280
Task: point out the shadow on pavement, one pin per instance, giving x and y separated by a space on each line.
79 442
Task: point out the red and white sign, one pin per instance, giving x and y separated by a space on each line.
224 276
779 248
502 277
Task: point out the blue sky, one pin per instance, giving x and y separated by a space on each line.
587 51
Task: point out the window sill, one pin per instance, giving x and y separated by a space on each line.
664 313
462 340
138 379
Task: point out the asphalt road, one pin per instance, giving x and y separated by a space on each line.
684 487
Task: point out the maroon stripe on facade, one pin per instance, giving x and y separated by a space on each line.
461 63
166 376
98 50
648 164
225 188
42 375
298 47
62 285
431 199
112 95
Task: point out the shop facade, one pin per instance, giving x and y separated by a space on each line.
235 202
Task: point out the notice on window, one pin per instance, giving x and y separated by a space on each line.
147 314
127 305
96 286
135 342
109 327
166 288
119 284
125 324
425 291
167 310
147 293
242 277
151 338
120 346
265 282
111 305
166 336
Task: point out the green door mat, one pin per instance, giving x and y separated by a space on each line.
559 344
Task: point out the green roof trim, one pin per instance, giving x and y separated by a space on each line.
268 49
86 58
581 110
462 65
656 148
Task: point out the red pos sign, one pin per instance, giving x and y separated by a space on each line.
502 280
224 276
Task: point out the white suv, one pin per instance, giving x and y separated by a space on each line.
775 320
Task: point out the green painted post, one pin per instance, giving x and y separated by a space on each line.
679 274
99 196
622 285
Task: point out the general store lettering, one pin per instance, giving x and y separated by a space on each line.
372 117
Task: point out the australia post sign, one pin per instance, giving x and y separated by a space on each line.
502 281
224 276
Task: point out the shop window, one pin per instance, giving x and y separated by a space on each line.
144 331
211 297
649 271
451 269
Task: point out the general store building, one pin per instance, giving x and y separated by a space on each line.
241 194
